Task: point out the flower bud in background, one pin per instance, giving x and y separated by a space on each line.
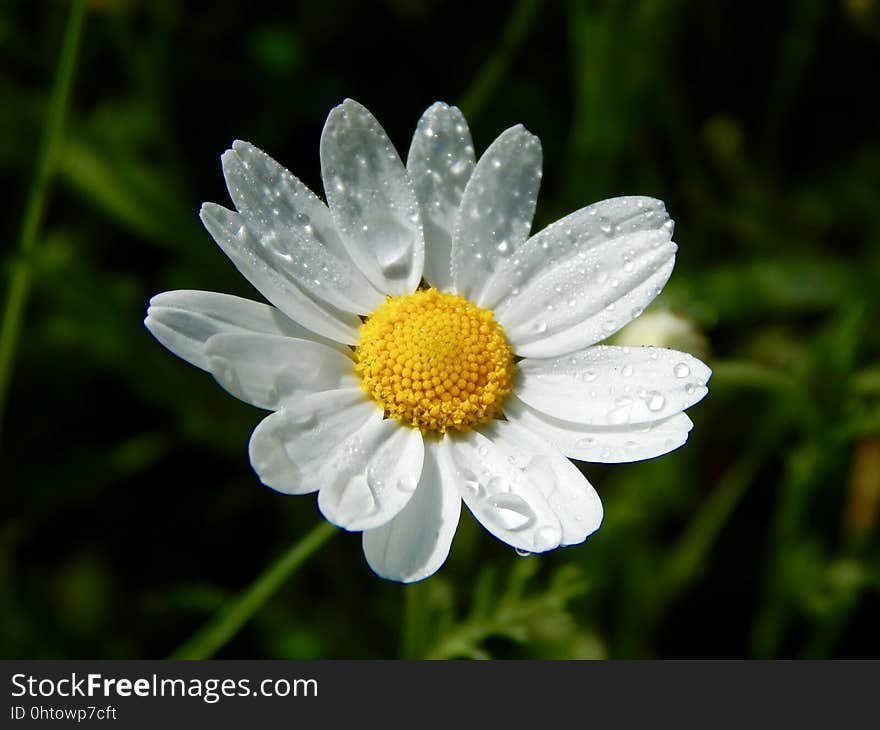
662 328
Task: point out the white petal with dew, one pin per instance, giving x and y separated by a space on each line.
288 448
184 320
371 476
268 371
247 252
295 230
570 496
496 211
440 163
613 386
372 200
602 444
415 543
584 277
504 488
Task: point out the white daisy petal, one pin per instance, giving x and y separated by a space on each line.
289 448
369 477
185 320
496 210
440 162
570 496
584 277
613 386
246 251
506 499
371 199
603 444
295 229
415 543
268 371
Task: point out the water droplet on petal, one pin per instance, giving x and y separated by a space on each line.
655 401
510 512
498 485
547 537
681 370
470 481
407 484
301 419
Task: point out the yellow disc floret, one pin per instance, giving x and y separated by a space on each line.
435 361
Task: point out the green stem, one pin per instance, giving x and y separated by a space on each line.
414 621
515 32
208 640
38 195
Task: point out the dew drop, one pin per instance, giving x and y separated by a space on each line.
546 537
407 484
655 401
471 483
301 419
498 485
681 370
510 512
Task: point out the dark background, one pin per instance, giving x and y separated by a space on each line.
128 510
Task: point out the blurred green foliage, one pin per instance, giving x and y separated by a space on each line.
129 512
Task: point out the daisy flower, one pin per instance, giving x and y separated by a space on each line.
422 349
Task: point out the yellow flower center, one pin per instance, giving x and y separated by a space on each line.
435 361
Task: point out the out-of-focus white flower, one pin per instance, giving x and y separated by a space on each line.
423 349
662 328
